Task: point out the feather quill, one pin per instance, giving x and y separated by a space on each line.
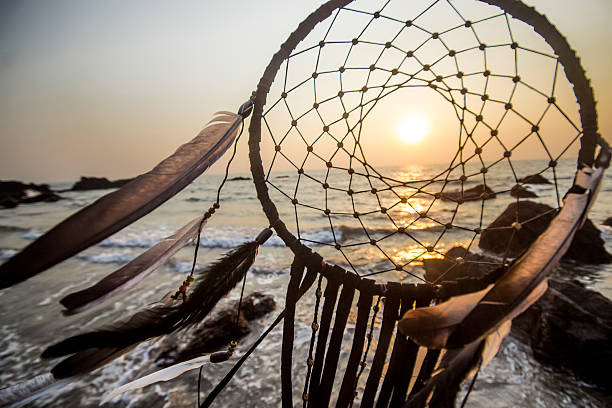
133 272
120 208
96 348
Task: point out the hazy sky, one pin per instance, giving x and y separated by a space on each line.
109 88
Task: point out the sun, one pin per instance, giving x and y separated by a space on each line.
412 129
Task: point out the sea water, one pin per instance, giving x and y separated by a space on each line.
31 319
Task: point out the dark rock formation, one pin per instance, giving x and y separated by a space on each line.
13 193
238 178
608 222
458 263
519 191
97 183
216 332
534 179
570 326
479 192
587 247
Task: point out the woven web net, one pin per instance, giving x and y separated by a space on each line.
486 94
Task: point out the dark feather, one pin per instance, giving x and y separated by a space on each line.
465 319
456 366
445 381
132 273
101 346
120 208
525 279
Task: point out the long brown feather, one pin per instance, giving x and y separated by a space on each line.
133 272
525 278
120 208
464 319
101 346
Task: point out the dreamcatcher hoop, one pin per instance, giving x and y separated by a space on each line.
573 69
457 319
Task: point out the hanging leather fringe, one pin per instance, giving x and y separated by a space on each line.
120 208
297 270
96 348
329 305
347 389
390 315
333 350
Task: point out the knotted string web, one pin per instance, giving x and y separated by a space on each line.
493 94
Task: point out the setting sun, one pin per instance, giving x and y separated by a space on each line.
412 129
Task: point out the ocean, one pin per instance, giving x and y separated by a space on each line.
31 319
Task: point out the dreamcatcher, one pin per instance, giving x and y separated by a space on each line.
505 76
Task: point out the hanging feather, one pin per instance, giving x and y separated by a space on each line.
120 208
464 319
132 273
27 391
525 281
165 374
96 348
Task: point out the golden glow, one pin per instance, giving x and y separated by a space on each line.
414 253
412 129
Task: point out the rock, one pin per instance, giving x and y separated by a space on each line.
608 222
13 193
519 191
97 183
570 326
587 247
534 179
480 192
216 332
238 178
440 269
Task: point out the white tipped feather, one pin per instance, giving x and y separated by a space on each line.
162 375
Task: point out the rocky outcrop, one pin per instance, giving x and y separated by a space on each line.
216 332
534 179
571 327
479 192
97 183
13 193
520 191
587 246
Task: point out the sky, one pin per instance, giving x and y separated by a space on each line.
111 88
